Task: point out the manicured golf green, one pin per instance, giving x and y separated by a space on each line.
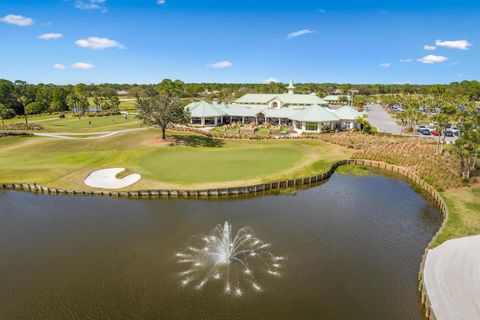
190 165
193 162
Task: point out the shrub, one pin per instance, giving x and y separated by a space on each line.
21 127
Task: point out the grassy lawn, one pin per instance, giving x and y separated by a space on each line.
126 103
354 170
41 117
197 162
51 123
464 213
90 124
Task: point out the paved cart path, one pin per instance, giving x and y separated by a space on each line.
79 135
452 279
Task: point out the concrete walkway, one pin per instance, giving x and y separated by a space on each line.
107 179
79 135
452 279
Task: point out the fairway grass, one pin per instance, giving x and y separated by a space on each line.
463 214
198 163
51 123
91 124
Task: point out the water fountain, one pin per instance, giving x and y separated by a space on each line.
235 260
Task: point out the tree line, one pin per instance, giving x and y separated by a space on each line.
16 95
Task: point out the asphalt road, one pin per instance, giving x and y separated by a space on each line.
381 119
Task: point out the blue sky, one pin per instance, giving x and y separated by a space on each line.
144 41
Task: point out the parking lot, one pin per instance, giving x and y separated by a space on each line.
385 123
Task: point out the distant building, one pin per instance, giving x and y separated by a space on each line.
282 100
337 99
304 112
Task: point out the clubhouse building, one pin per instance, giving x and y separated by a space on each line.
303 112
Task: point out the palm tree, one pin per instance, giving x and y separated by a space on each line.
24 101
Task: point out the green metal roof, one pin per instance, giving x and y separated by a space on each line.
285 113
203 109
241 111
347 113
333 97
287 98
256 98
315 113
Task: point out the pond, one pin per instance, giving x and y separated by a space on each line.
351 249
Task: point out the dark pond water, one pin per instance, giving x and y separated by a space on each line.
353 247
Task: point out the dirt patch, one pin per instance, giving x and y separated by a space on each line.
159 142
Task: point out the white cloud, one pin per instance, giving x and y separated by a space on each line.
385 65
91 5
299 33
430 59
406 60
429 47
17 20
50 36
270 80
97 43
59 66
161 2
82 65
221 64
455 44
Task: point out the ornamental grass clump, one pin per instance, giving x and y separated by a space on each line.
418 156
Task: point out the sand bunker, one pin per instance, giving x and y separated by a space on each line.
106 179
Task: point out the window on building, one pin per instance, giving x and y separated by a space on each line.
209 120
298 125
311 126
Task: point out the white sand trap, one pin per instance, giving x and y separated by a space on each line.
452 279
106 179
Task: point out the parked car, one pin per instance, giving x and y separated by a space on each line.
452 131
425 132
421 127
435 132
